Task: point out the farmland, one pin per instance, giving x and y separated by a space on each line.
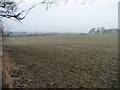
64 61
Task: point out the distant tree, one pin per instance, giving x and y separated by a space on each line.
92 31
102 29
98 30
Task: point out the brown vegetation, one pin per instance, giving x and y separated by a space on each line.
7 81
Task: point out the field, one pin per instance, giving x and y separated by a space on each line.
60 61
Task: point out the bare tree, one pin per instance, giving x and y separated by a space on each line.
8 8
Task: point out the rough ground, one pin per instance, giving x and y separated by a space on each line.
63 61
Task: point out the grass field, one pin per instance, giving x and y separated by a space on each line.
73 61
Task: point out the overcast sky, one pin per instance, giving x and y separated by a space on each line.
71 17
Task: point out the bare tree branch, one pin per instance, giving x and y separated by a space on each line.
8 9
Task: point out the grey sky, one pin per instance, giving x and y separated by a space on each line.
69 18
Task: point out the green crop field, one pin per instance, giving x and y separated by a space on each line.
73 61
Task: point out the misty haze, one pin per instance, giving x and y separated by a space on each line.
59 44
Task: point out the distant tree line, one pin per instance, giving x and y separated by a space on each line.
103 30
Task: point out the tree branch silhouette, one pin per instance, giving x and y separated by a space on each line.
8 9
